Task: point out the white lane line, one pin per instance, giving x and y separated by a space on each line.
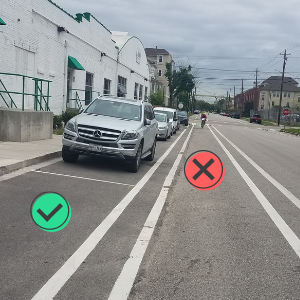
279 186
85 178
126 279
29 169
57 281
286 231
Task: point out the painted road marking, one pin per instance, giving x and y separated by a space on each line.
84 178
130 269
58 280
286 231
29 169
280 187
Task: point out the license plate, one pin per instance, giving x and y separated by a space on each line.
96 148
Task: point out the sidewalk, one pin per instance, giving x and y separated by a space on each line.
14 156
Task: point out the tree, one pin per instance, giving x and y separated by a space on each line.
157 98
179 81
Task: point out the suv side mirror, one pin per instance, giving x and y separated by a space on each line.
81 110
147 122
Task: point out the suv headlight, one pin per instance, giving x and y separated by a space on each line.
130 135
162 127
71 126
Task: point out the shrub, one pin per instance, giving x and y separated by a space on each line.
69 114
57 121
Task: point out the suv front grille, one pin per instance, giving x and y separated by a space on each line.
86 131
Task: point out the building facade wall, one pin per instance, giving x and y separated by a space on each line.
272 98
161 69
30 44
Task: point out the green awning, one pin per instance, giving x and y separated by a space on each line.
2 22
73 63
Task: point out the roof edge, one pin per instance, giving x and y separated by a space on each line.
63 10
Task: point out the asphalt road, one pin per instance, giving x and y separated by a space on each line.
238 241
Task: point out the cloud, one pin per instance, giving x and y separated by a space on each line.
232 34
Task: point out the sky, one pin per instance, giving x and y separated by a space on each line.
223 40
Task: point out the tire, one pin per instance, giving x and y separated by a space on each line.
166 137
251 121
134 165
69 157
151 156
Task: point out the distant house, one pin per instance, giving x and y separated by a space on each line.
269 93
158 59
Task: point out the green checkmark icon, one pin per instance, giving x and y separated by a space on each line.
50 212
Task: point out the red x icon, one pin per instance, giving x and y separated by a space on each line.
204 170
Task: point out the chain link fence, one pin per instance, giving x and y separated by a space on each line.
272 116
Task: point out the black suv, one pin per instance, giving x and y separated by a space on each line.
235 115
183 117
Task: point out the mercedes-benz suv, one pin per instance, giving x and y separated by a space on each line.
114 127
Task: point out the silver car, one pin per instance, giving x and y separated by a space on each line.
164 126
112 127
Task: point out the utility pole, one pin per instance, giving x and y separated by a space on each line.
282 79
256 77
227 101
234 96
242 95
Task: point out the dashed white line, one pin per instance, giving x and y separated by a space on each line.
279 186
84 178
286 231
126 279
58 280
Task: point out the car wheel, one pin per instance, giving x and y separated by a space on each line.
69 157
166 137
174 131
250 121
150 157
134 165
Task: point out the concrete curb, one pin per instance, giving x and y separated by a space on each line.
28 162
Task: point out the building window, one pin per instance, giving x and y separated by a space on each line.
141 93
122 88
272 103
146 92
285 93
160 58
277 94
88 88
274 94
262 106
136 88
263 96
106 89
159 72
299 98
289 94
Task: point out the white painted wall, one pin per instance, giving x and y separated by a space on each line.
132 57
30 44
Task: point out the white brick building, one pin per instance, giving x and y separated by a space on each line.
78 54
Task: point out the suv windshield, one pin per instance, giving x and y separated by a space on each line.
115 109
256 116
182 113
160 118
168 113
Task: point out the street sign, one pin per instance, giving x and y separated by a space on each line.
180 105
286 111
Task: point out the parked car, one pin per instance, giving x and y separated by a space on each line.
172 115
255 118
164 126
196 112
235 115
112 127
183 117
